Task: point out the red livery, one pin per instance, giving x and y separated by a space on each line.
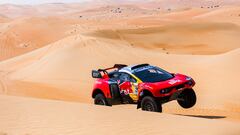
147 86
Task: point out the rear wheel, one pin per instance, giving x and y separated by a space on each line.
100 99
150 104
187 98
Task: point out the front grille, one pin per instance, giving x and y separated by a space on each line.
180 86
167 90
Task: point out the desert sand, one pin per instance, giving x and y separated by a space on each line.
32 116
49 53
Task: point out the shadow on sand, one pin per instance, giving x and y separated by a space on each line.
204 116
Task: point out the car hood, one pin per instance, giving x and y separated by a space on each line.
178 79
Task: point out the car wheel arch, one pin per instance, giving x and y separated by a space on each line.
97 91
142 94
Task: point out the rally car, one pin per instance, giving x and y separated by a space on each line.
145 85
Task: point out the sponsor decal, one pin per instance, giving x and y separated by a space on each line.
174 81
147 86
98 82
142 68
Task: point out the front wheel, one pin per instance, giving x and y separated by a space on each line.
150 104
187 98
100 100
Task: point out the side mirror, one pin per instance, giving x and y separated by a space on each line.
96 74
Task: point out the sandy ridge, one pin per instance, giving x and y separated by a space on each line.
200 42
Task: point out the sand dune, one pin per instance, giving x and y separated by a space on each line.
15 11
56 117
210 31
175 38
3 19
18 11
51 55
18 38
62 71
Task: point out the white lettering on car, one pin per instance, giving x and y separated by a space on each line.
98 82
174 81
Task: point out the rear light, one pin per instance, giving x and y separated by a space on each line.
165 91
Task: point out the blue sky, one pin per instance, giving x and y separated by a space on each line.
34 2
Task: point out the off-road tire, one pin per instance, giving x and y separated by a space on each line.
187 98
100 100
148 103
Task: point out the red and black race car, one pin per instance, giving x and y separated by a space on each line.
147 86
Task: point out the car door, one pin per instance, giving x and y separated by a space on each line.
115 90
127 85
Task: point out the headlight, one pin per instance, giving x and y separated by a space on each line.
188 78
190 83
165 91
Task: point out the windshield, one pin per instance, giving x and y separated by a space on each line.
152 74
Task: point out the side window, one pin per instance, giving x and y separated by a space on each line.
124 77
116 76
132 80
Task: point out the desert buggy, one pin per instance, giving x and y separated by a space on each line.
145 85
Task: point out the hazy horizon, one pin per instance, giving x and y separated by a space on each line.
36 2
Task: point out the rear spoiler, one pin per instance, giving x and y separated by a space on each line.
97 73
118 66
